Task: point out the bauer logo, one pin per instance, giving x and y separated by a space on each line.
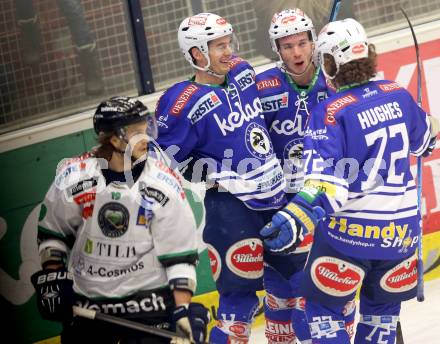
276 102
203 106
215 262
336 106
245 79
245 258
402 277
183 98
335 276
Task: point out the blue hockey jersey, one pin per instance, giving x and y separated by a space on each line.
222 130
356 152
286 109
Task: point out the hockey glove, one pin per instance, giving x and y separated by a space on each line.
289 226
55 297
434 132
192 320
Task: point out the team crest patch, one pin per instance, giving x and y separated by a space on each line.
113 219
245 258
215 262
401 278
335 276
257 141
293 154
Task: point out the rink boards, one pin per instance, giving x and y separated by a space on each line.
29 157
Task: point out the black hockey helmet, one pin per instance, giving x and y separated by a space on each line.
118 112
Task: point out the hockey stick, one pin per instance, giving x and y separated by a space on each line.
94 315
335 10
420 286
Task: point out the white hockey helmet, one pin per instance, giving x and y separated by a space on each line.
197 31
345 40
289 22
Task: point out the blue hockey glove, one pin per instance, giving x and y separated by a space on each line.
192 320
55 297
289 226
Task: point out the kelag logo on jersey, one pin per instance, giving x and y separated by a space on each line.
276 102
245 79
204 105
288 127
257 141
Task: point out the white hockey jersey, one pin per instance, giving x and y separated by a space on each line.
122 237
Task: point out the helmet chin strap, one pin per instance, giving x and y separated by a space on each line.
207 69
123 136
211 72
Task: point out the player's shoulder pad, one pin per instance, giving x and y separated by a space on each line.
336 104
237 63
270 80
387 86
70 171
165 179
178 99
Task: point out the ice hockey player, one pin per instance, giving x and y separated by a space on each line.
117 235
359 194
288 92
214 121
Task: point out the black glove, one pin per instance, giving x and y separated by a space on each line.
192 320
55 297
